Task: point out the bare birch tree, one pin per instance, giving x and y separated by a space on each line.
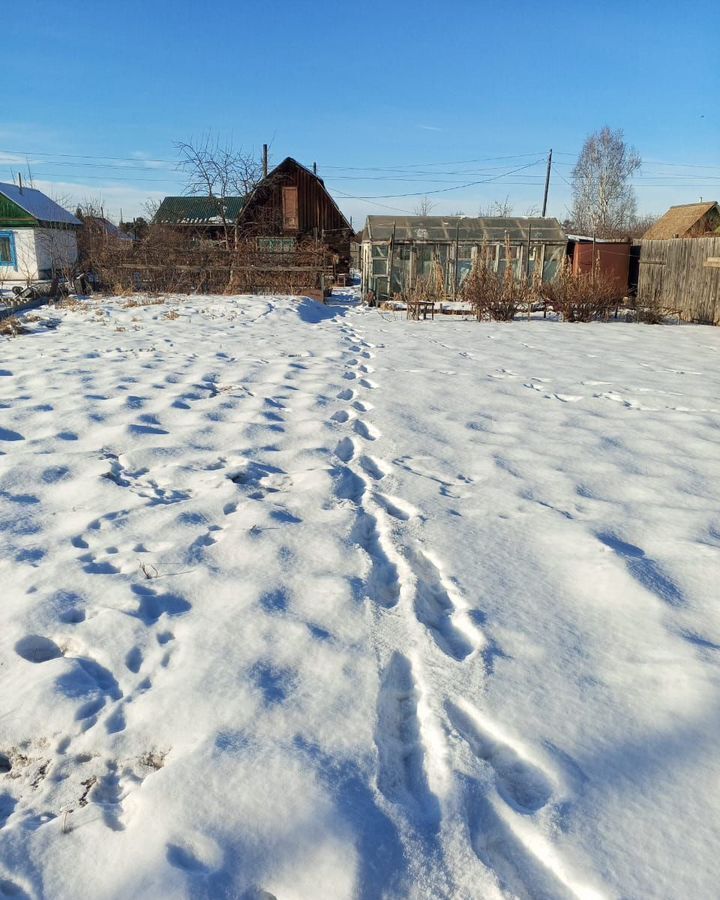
604 201
424 206
497 209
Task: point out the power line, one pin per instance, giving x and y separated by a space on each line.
398 168
456 162
443 190
106 178
86 156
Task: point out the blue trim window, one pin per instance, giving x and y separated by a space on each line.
7 249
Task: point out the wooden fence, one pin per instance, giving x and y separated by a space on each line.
682 276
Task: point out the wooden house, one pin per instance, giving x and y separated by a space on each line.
38 238
290 204
690 220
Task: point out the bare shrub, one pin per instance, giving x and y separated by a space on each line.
649 309
494 296
170 261
582 297
255 270
417 298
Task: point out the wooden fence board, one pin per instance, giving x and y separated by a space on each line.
676 275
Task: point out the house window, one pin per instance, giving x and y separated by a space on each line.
7 248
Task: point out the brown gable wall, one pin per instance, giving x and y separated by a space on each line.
317 214
707 225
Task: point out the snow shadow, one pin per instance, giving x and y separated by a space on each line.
382 863
152 604
275 684
87 677
35 648
643 569
7 434
10 888
312 312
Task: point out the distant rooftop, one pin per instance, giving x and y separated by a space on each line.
38 205
678 221
100 223
444 229
198 210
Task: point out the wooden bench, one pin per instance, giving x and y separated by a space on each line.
419 309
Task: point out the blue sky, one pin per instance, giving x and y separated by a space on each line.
444 93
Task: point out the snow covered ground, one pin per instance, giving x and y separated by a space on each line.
315 602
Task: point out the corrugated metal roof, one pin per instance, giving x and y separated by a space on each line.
464 228
198 210
678 220
588 239
38 205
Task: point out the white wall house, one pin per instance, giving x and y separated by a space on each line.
38 238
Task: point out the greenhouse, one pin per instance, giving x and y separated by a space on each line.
397 250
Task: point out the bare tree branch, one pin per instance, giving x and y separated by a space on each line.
219 171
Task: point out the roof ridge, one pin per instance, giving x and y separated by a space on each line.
698 203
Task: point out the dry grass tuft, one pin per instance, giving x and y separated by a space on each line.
153 759
12 327
145 300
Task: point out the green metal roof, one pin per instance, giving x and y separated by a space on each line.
198 210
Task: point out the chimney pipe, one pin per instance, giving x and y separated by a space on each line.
314 168
265 160
20 181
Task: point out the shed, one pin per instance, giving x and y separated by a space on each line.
690 220
682 276
609 259
396 250
38 238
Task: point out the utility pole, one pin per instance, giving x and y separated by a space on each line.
547 183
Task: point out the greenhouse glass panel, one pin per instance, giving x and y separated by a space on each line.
553 260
